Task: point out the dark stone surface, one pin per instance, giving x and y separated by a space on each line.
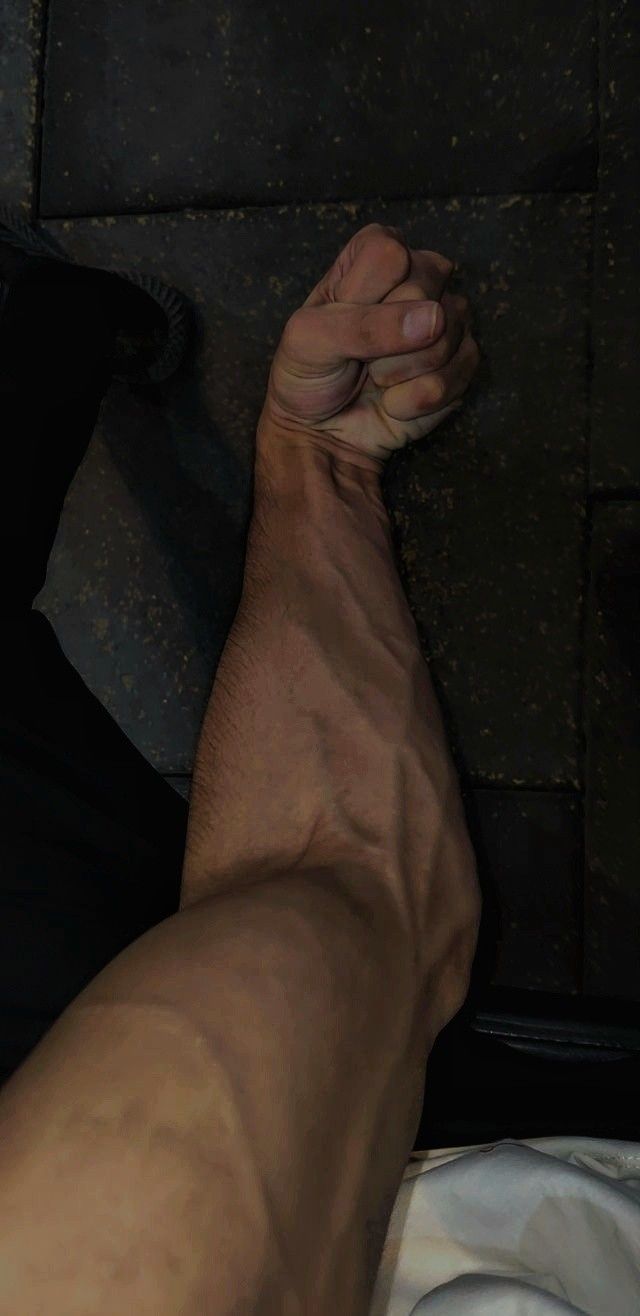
529 850
159 104
138 587
147 569
612 894
20 44
616 303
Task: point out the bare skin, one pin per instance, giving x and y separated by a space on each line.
220 1122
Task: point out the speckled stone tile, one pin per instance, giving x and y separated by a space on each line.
20 45
616 303
147 569
141 582
612 897
529 850
157 105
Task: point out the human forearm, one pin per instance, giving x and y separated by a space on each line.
224 1115
323 738
197 1079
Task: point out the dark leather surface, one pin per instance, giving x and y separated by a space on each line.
525 1064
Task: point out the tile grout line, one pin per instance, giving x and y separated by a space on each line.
39 113
197 209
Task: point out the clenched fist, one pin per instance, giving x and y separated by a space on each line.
358 370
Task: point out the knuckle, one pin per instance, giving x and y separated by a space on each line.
388 238
368 328
385 374
394 249
367 231
292 327
409 291
434 390
439 354
396 234
446 264
457 309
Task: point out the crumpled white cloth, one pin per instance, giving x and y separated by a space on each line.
538 1227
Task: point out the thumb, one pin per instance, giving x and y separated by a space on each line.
319 339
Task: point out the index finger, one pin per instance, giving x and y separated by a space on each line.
374 262
430 272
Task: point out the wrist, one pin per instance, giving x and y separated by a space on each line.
282 440
298 471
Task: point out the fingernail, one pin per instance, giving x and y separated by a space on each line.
420 323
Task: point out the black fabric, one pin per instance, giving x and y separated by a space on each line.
57 316
91 836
